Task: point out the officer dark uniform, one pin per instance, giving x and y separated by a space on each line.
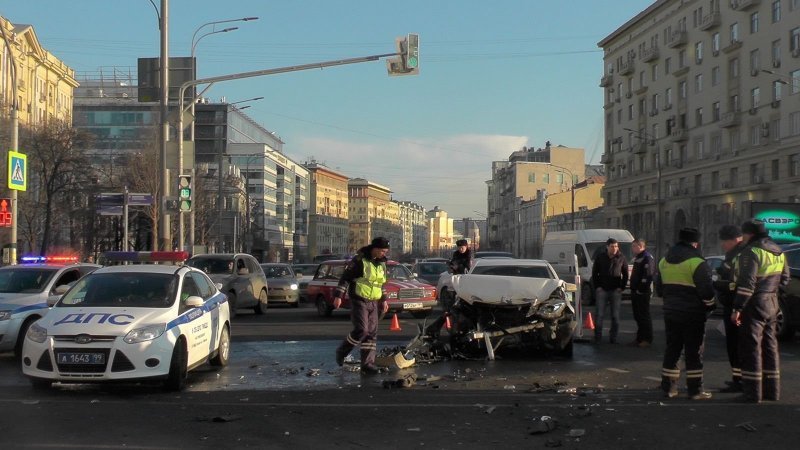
761 270
725 286
363 279
461 261
684 282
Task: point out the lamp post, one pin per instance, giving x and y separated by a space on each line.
164 222
572 190
14 146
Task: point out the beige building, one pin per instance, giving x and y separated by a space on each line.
440 232
44 89
328 227
527 171
372 214
702 114
414 226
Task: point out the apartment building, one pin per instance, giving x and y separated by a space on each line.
415 227
702 114
328 227
372 214
440 232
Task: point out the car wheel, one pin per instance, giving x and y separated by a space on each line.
784 330
176 380
567 350
322 307
232 302
40 384
421 314
586 294
23 330
261 306
223 349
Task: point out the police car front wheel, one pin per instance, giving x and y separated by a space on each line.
176 380
223 350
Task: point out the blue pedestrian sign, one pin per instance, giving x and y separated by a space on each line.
17 171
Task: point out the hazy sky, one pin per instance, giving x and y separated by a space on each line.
494 76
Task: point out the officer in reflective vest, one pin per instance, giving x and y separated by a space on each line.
363 280
730 237
761 270
683 280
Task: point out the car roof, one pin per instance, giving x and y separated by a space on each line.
143 268
510 262
275 265
790 247
48 266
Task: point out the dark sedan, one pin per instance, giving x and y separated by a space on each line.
789 315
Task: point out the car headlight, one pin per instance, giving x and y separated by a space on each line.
147 333
554 306
293 287
392 294
37 333
429 293
5 315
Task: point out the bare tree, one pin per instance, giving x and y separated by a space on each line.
141 176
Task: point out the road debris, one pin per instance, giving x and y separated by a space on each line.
405 382
312 373
747 426
576 432
544 424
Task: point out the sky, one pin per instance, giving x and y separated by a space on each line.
494 77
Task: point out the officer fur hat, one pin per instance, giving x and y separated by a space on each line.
461 242
729 232
380 242
689 235
754 227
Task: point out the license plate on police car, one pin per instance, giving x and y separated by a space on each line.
81 358
412 305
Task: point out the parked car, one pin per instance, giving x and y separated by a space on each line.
444 283
26 290
130 322
305 273
789 299
241 277
404 292
429 271
282 284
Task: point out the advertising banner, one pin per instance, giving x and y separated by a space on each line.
782 220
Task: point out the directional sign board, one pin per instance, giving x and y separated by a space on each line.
17 171
111 203
5 212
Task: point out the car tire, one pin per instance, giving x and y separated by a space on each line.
232 303
262 305
783 330
178 370
41 384
223 349
323 309
23 330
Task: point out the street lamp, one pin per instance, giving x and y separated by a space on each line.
572 190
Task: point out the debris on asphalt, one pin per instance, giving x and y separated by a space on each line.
576 432
509 387
553 443
413 429
30 402
312 373
544 424
405 382
490 409
219 419
747 426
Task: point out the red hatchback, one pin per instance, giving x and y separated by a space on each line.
404 291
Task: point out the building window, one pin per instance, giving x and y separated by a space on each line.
755 134
775 169
794 165
714 75
559 178
734 176
776 53
698 116
654 74
714 180
630 112
715 112
794 123
733 66
795 76
531 177
734 103
698 83
667 65
655 103
699 149
698 52
734 32
755 62
776 11
546 178
716 144
734 140
682 90
681 59
794 5
775 129
754 22
715 44
755 97
776 89
794 39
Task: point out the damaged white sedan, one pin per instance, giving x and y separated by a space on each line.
504 302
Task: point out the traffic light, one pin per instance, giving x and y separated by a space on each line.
407 63
185 192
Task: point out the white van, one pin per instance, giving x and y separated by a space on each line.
561 247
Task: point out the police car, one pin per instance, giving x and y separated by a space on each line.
131 322
24 292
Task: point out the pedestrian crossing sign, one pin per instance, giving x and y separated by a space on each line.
17 171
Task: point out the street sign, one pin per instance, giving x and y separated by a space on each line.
5 212
17 171
111 203
140 199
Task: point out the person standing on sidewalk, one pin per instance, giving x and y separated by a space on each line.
641 284
760 270
683 280
363 280
730 238
610 276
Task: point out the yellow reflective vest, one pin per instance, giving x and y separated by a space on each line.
370 285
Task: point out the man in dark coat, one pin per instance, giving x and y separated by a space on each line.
730 238
609 276
461 261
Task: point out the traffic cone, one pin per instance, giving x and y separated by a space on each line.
588 323
447 323
395 324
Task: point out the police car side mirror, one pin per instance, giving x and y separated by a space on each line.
61 290
194 301
218 286
52 300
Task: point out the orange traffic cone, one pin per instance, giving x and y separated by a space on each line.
588 323
447 323
395 323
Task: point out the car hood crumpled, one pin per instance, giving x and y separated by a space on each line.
503 290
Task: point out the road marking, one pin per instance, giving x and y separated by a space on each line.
652 378
614 369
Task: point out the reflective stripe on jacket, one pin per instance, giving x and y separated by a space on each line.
760 270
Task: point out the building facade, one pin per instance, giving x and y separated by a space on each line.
371 214
702 115
414 226
440 232
328 227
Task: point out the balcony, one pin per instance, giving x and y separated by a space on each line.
640 149
605 158
681 71
734 45
711 21
677 39
730 119
744 5
606 80
626 67
679 135
650 54
641 90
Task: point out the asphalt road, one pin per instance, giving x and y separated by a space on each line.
283 390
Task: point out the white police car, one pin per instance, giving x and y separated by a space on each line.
130 322
25 289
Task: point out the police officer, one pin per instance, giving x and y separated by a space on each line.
461 261
363 280
684 282
641 285
761 270
730 237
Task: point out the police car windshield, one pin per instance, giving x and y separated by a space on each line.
122 290
24 280
212 266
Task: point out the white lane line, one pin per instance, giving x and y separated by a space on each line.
614 369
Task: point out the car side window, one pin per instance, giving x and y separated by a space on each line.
205 288
335 272
582 262
67 277
322 270
188 289
252 265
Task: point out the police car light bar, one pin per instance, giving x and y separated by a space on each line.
145 256
49 259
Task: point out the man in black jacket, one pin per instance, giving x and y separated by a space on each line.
363 280
683 280
641 283
730 238
461 261
609 276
